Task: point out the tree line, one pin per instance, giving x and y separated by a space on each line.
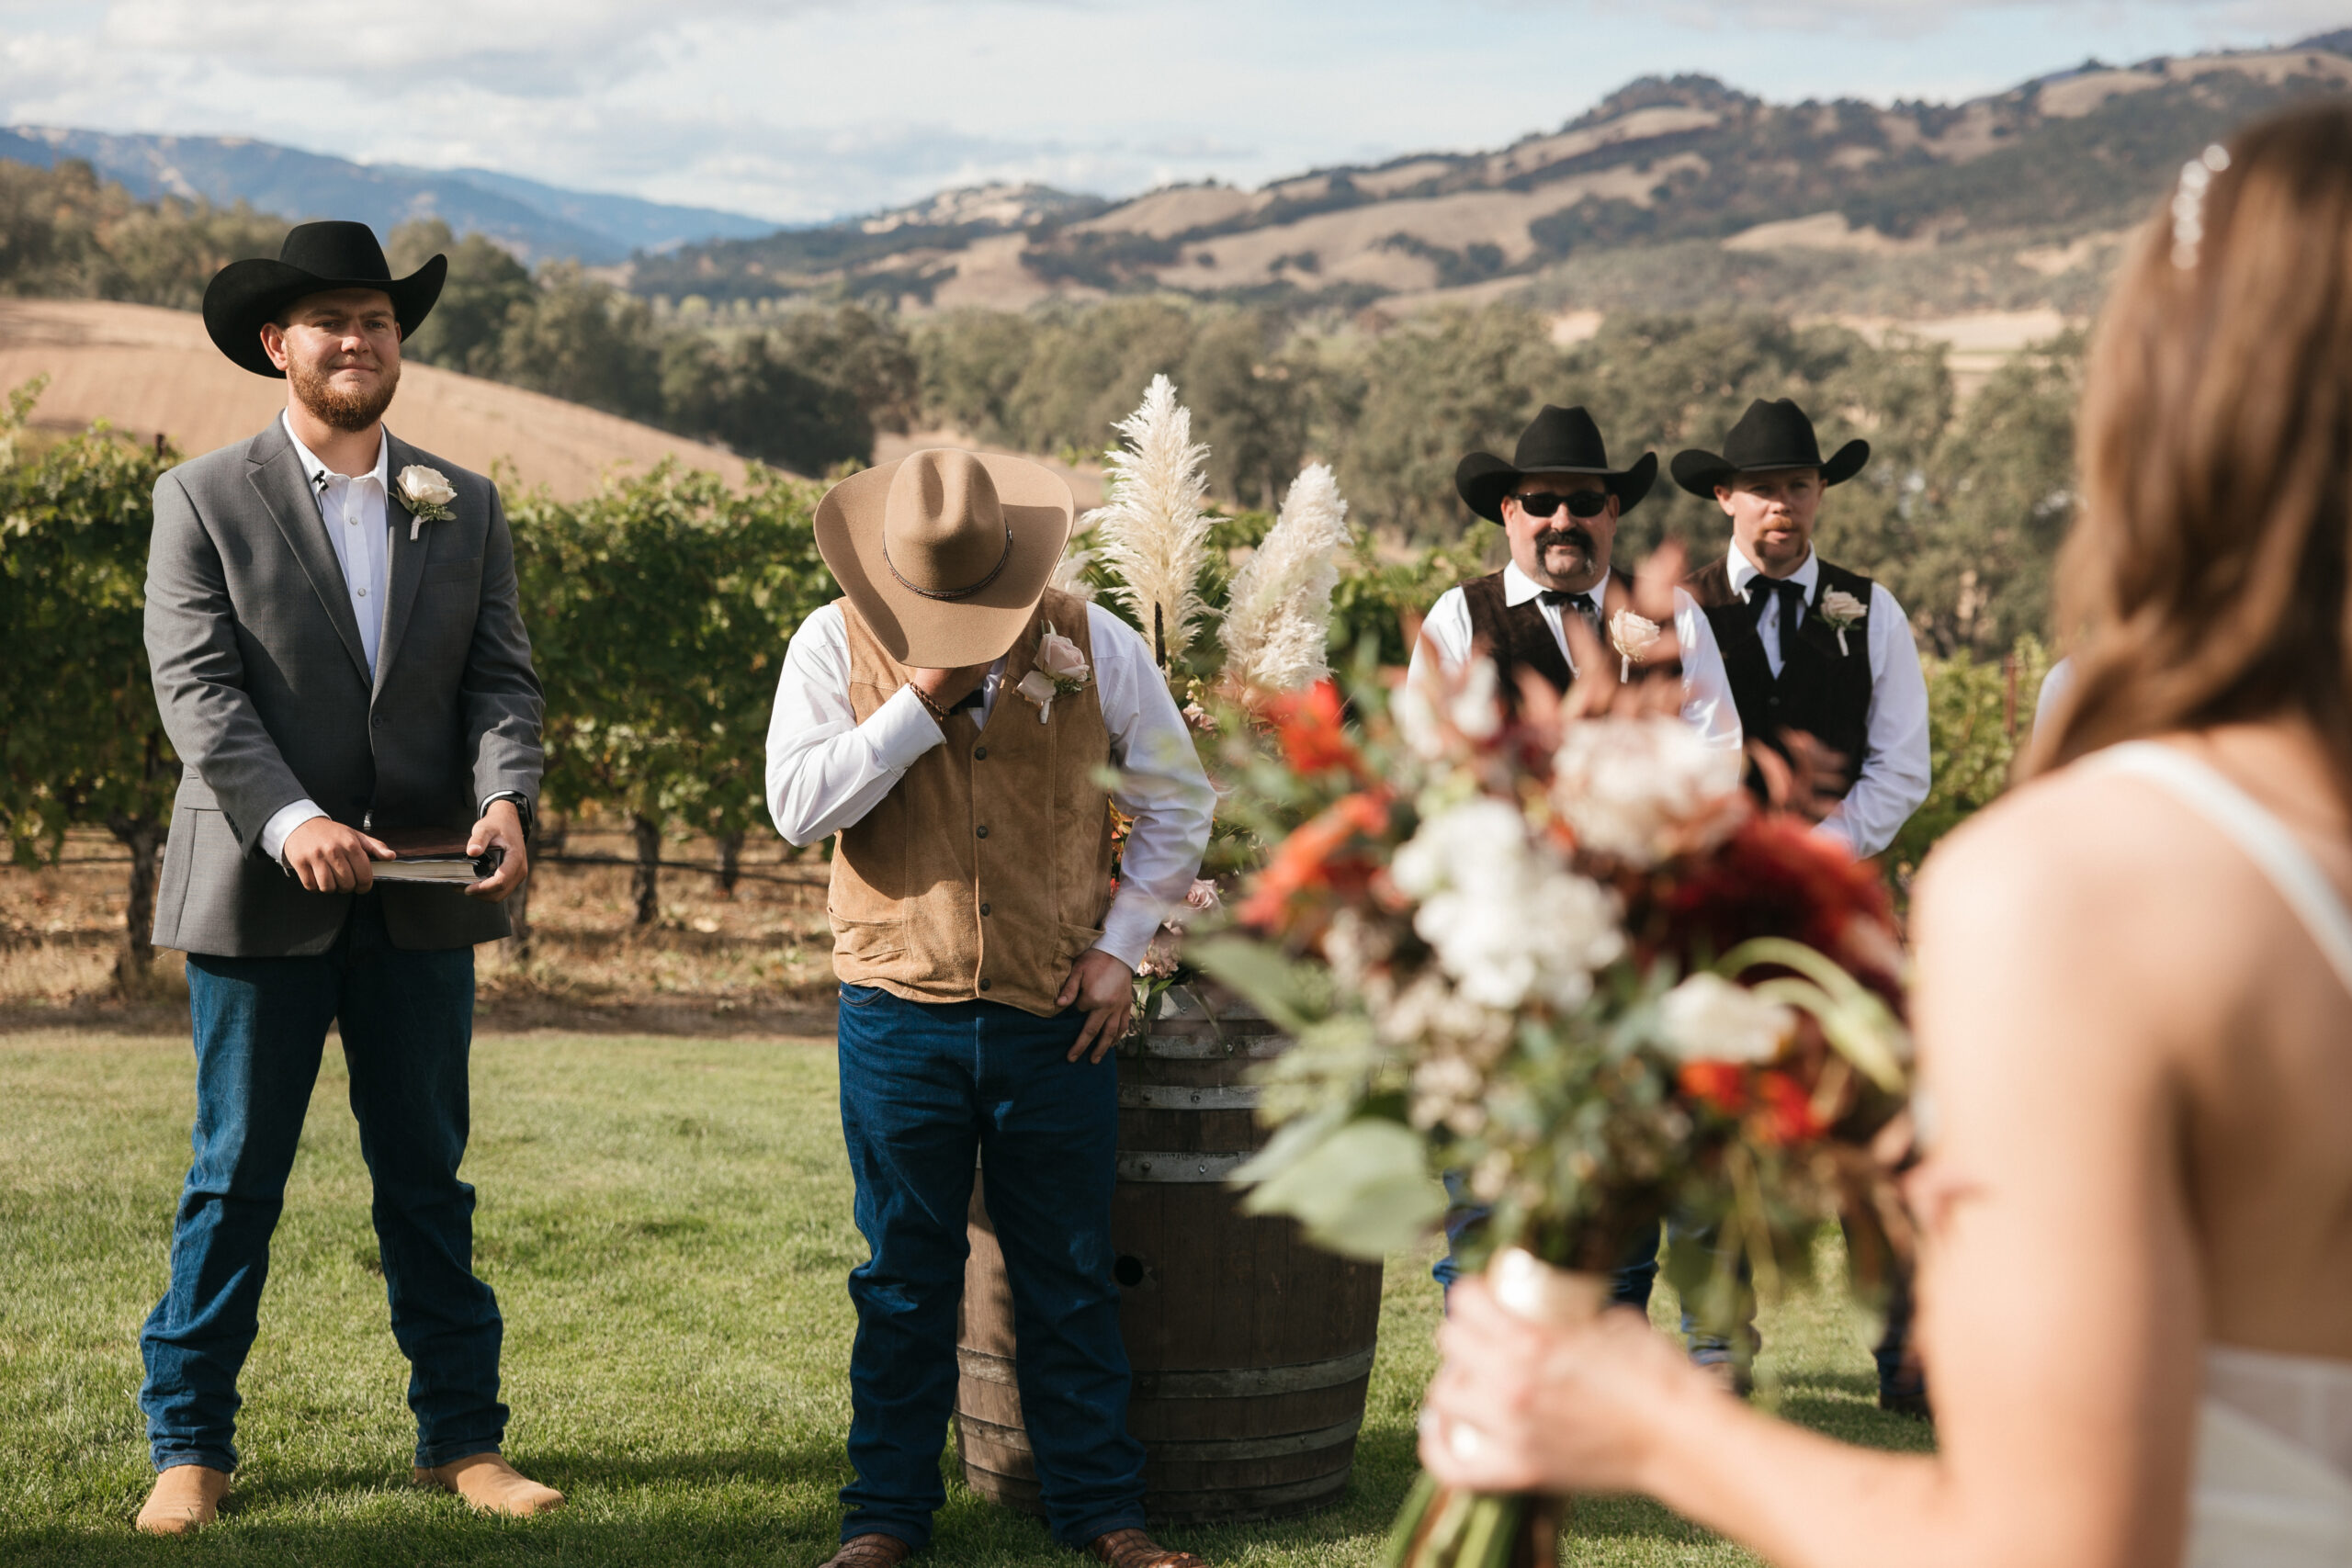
1959 510
659 611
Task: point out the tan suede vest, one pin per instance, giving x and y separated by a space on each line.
986 871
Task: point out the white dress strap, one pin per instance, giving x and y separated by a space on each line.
2252 827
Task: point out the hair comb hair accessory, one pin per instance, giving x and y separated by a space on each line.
2189 204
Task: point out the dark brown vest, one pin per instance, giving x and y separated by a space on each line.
1517 637
1820 692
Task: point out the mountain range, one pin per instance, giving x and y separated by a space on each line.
1668 192
534 220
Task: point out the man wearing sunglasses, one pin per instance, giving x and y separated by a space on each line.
1558 502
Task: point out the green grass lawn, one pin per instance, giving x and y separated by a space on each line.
667 1224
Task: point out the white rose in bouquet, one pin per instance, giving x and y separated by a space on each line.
1710 1019
1644 789
1506 916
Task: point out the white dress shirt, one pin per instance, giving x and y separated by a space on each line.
1892 776
826 770
1707 703
351 510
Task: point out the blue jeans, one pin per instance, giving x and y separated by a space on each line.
1629 1286
260 1026
924 1086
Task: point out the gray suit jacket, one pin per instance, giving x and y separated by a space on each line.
265 695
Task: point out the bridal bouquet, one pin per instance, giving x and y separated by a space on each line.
1566 962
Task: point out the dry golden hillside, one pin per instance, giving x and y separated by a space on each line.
152 371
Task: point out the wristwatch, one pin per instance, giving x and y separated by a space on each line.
522 806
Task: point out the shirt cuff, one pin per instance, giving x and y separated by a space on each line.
522 806
281 827
1128 929
900 730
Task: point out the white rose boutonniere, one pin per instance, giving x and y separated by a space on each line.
1841 610
427 492
1057 669
1632 635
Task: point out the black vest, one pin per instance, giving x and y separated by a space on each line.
1517 637
1819 691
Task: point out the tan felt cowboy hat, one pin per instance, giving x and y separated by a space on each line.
944 553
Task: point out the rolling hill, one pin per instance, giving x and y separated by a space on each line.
152 371
1999 202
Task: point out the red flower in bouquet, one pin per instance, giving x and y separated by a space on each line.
1776 876
1311 862
1309 726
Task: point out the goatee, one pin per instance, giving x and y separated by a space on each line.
336 407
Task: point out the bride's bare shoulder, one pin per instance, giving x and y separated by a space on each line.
2079 828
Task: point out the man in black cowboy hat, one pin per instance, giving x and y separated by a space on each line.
1808 647
1558 502
1814 648
338 659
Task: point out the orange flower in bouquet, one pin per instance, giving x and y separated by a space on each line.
1571 960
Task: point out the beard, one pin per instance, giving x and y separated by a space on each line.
335 407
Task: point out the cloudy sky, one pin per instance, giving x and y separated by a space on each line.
805 109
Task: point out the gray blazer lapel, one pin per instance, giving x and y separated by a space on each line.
277 476
405 558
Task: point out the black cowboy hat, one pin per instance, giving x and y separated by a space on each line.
1767 436
315 258
1560 441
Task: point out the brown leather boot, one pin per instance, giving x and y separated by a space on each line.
491 1485
187 1497
875 1550
1133 1549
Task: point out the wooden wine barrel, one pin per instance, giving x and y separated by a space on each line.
1251 1347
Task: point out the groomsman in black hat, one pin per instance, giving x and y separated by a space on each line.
1558 502
1806 646
1814 648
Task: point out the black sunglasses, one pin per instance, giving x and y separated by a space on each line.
1580 503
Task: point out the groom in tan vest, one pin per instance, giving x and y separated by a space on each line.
955 720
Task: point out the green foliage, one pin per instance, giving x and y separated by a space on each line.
486 289
66 234
659 611
1980 717
79 734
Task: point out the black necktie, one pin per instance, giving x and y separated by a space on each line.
1762 590
971 699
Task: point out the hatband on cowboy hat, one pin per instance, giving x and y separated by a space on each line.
1768 437
1558 441
944 553
315 258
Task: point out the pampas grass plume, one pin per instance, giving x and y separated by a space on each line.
1152 532
1278 619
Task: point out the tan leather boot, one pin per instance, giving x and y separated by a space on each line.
492 1485
187 1497
876 1551
1133 1549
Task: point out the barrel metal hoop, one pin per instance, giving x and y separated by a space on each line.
1183 1096
1202 1450
1179 1165
1239 1384
1244 1381
1207 1048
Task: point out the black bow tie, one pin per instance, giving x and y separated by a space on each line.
971 699
1581 603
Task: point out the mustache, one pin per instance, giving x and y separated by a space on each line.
1573 535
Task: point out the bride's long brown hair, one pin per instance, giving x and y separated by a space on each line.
2205 580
